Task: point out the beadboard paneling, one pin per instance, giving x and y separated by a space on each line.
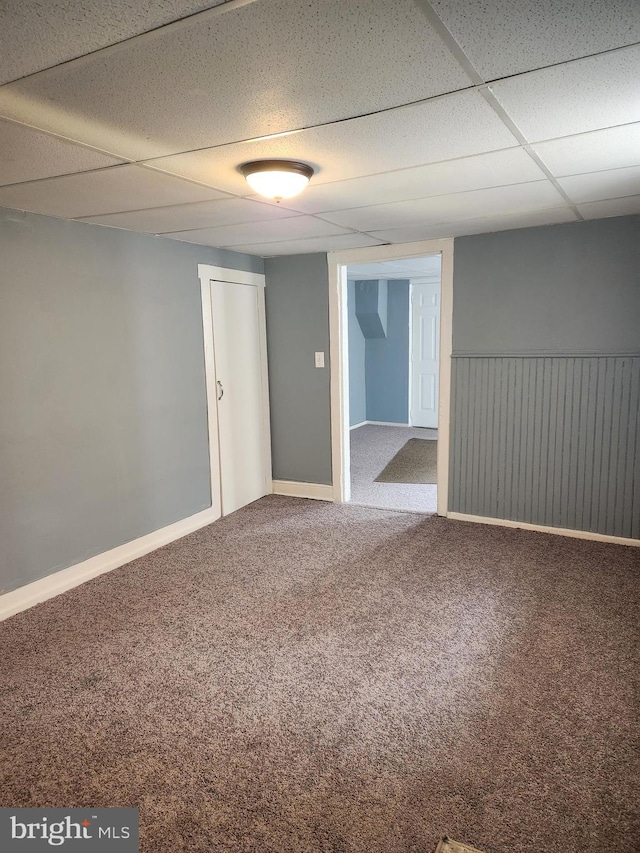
548 439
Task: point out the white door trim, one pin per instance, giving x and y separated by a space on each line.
338 329
208 273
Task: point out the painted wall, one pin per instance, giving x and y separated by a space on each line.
387 361
297 302
546 376
103 432
357 387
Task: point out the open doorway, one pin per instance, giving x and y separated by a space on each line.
390 316
393 352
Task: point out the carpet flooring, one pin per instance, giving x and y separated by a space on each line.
415 462
302 677
371 448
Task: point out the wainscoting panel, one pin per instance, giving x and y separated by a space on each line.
548 439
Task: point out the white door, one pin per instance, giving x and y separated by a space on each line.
425 346
240 395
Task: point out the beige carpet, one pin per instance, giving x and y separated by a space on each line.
416 462
304 677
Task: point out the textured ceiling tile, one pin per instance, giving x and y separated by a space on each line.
291 228
303 247
207 214
503 37
597 186
35 34
589 94
105 191
613 207
260 69
450 208
477 226
612 148
470 173
28 155
455 126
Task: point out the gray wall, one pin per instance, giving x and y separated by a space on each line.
387 361
297 298
357 388
103 434
546 368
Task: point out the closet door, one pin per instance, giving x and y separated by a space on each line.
240 395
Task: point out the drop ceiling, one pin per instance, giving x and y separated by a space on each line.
422 119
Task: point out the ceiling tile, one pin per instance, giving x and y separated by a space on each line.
292 228
105 191
289 247
612 148
161 220
503 37
597 186
456 126
28 155
484 170
35 35
612 207
450 208
477 226
588 94
259 69
429 265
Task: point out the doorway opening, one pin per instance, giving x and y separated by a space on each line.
390 314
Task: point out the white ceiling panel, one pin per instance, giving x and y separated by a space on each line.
450 208
28 155
262 68
206 214
597 186
304 247
292 228
408 268
588 94
503 37
36 34
612 148
104 191
613 207
480 225
456 126
497 168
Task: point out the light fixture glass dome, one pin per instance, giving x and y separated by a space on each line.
277 178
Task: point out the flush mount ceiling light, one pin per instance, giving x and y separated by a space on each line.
277 179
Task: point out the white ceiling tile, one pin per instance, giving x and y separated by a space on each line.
496 168
35 35
503 37
105 191
450 208
287 247
588 94
206 214
456 126
597 186
477 226
292 228
612 207
28 155
612 148
407 268
259 69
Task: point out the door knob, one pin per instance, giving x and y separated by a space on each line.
220 389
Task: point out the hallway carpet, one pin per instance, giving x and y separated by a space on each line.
308 678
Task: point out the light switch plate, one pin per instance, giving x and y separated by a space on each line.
319 359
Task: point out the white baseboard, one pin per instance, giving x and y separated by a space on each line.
37 591
362 423
542 528
387 423
315 491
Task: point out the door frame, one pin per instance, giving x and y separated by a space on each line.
339 349
208 273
